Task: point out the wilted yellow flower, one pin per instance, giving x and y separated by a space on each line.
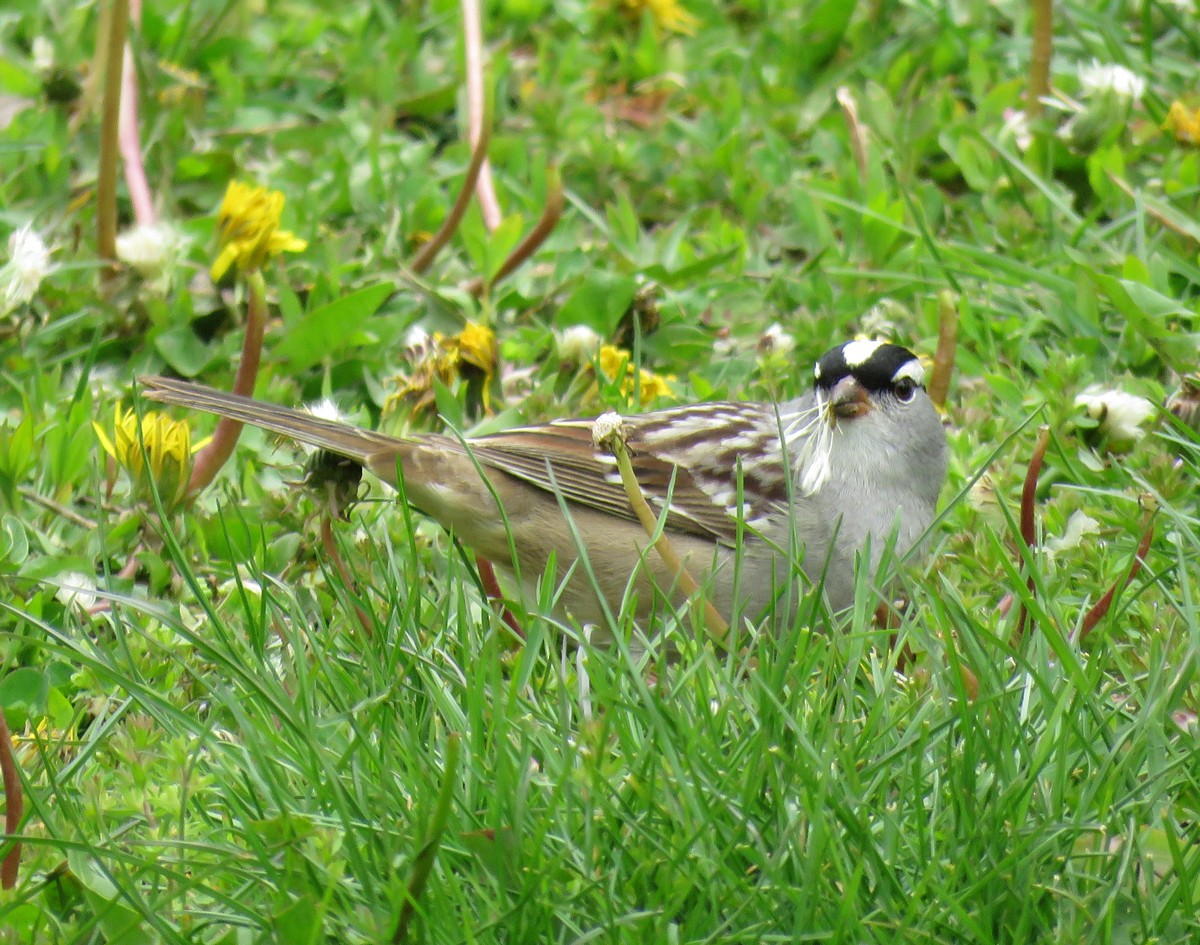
668 14
187 83
1183 123
168 446
472 354
476 346
248 229
614 364
29 745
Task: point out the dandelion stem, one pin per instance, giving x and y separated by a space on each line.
614 442
130 145
858 134
1042 46
210 459
106 175
1102 606
551 213
331 550
1028 522
491 587
14 806
943 359
476 108
429 251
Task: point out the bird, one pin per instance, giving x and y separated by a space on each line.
760 500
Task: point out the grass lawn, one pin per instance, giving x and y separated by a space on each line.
236 718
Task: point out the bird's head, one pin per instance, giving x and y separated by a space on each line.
869 409
859 378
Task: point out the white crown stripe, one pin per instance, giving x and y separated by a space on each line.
858 353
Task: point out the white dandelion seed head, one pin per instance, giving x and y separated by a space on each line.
76 590
42 52
1120 414
1096 78
1016 126
775 341
416 342
577 343
149 247
325 410
153 249
28 264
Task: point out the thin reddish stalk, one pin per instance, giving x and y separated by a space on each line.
210 459
491 587
476 107
551 213
14 806
429 251
330 547
1028 520
1103 605
614 442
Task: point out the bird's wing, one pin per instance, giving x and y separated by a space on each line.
719 463
363 446
705 457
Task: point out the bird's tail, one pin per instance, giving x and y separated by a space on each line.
363 446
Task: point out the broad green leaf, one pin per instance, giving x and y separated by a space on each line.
334 326
598 301
299 923
502 241
24 687
822 33
1147 311
184 353
120 924
428 104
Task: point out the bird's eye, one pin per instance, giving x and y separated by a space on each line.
905 389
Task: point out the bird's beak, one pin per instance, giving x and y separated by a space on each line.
849 399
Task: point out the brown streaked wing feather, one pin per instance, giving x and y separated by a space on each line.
560 457
363 446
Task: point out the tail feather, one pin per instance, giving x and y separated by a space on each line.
363 446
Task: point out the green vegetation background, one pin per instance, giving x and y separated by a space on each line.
214 749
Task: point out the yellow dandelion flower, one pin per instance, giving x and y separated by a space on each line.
248 229
168 447
472 354
615 365
477 347
668 14
1183 123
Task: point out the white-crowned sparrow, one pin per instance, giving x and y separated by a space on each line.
853 466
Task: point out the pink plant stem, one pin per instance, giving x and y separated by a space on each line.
127 133
476 106
210 459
